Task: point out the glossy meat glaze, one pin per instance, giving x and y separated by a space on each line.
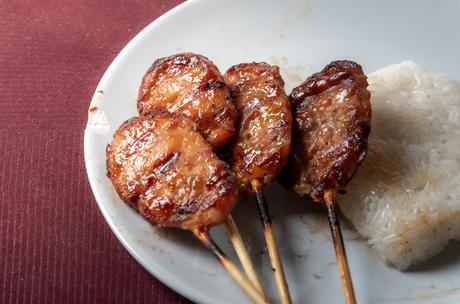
190 84
162 167
332 119
262 144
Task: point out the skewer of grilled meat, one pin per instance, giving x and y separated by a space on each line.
332 116
261 146
163 168
190 84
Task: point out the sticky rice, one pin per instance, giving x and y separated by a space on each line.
405 198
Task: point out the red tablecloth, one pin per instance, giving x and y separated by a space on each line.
55 246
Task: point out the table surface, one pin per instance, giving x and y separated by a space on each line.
55 246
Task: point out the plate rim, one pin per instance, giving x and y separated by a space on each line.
169 279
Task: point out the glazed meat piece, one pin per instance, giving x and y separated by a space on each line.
263 141
332 119
164 169
192 85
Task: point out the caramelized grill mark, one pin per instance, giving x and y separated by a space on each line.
192 85
262 144
163 168
333 117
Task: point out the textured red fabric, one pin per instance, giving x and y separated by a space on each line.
55 246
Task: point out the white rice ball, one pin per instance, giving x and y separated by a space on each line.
405 197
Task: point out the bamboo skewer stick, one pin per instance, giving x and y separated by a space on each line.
243 254
271 243
230 267
342 262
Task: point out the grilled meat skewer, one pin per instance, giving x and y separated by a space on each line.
191 84
163 168
262 143
332 119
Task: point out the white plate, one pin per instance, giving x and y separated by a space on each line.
301 37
